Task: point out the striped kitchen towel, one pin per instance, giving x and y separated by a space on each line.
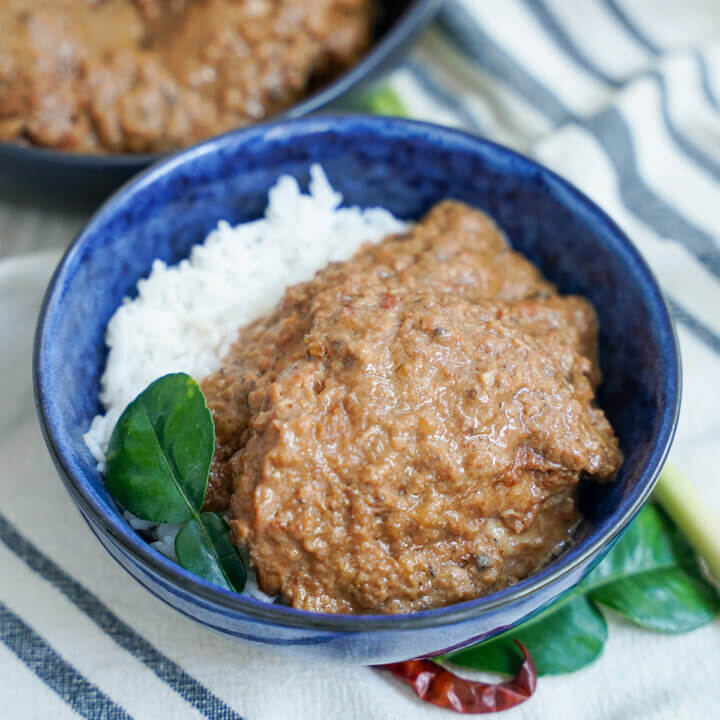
619 96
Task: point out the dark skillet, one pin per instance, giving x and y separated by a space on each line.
54 178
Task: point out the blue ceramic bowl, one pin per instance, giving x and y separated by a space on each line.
406 167
53 178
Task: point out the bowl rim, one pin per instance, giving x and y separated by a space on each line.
410 22
180 581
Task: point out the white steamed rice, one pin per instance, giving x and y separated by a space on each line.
185 317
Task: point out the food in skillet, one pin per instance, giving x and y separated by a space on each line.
144 76
408 428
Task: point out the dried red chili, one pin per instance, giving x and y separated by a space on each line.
434 684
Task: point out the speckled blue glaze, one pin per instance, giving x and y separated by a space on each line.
406 167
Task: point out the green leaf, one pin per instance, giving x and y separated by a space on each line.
669 600
157 467
160 451
203 547
650 542
380 101
565 640
651 577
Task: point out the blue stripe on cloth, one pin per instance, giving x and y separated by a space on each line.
702 331
470 39
79 693
566 43
622 17
705 80
613 133
440 95
691 151
168 671
564 40
610 130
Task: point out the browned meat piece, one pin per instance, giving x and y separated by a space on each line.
154 75
408 429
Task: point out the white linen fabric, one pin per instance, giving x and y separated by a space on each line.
622 97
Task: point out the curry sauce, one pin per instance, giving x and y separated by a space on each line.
408 429
141 76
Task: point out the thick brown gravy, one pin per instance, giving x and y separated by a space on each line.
408 429
154 75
